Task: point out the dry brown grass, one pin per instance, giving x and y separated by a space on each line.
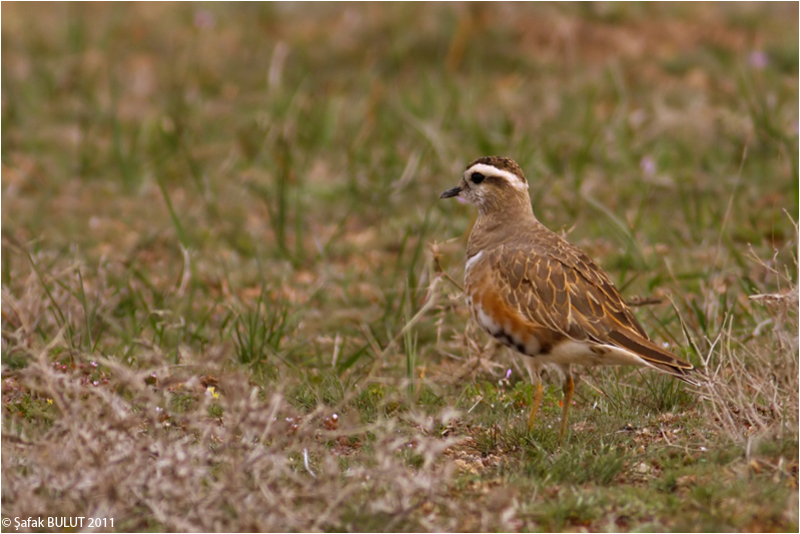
197 446
754 380
123 451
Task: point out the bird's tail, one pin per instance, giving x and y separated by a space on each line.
661 359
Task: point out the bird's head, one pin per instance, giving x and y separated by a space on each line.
493 184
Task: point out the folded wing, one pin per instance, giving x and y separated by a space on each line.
556 286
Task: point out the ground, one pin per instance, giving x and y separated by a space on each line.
231 297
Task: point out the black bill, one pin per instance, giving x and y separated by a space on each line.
451 193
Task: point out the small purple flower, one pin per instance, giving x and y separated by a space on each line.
758 59
648 165
204 20
508 374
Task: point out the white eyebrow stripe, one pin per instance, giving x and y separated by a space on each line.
489 170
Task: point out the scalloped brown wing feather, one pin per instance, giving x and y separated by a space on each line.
557 286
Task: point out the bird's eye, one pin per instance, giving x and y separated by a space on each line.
477 177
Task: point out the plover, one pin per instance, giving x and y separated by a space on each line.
541 296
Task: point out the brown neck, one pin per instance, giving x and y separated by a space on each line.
496 223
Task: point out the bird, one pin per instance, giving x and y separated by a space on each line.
540 295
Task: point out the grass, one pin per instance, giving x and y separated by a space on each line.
227 280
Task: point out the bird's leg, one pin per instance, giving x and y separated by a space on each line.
569 389
536 381
537 400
